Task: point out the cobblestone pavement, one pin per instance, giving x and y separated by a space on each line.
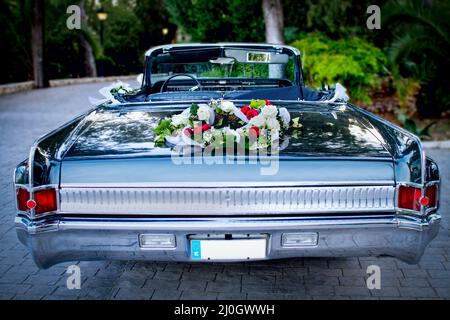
25 116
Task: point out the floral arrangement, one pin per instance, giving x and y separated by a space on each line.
220 123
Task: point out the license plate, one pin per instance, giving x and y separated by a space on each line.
235 249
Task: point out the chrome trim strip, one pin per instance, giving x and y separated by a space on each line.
236 184
243 223
226 201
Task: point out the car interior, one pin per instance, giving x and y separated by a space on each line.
229 73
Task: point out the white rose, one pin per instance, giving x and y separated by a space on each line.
285 117
270 111
203 113
231 132
272 124
207 136
226 106
180 119
217 133
258 121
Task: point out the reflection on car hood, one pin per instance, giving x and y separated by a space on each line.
327 130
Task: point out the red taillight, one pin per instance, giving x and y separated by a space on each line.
431 194
45 200
409 197
22 197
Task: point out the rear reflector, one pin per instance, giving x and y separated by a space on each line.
409 197
299 239
157 241
431 194
45 200
31 204
22 198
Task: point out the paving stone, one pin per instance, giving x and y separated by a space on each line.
443 292
352 281
223 286
320 290
273 296
15 288
190 285
70 294
352 291
49 280
134 294
417 292
232 296
258 288
414 282
439 283
43 290
258 279
163 275
386 292
162 284
131 280
192 295
321 280
161 294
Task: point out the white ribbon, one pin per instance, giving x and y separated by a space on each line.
340 93
106 92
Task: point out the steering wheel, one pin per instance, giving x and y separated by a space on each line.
164 85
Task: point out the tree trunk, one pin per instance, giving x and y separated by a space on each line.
273 17
37 44
90 69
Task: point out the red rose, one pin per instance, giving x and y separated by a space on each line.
206 127
253 132
188 132
268 103
198 130
245 109
251 113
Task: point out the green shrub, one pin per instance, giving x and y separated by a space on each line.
353 62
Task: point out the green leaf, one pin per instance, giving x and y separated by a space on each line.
194 109
425 132
160 139
164 127
411 126
256 104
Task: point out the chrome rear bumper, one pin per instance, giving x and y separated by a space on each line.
55 240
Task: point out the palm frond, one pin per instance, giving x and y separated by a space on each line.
434 17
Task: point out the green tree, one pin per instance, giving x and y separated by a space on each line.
354 62
15 37
335 19
218 20
122 46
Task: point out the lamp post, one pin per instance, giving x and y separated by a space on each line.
102 15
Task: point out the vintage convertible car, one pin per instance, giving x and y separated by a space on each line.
315 175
